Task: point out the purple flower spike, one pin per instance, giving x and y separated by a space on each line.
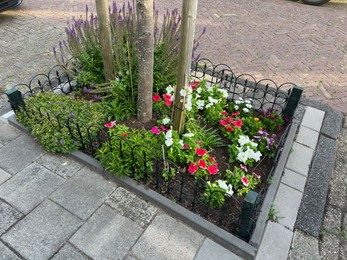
86 90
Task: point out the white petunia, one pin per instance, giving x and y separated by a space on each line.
243 139
188 135
228 188
183 92
168 142
236 107
180 142
249 106
224 92
170 89
200 104
238 102
246 110
198 90
166 120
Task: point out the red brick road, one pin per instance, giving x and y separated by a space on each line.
283 40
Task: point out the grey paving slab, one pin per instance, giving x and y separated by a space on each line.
8 216
18 154
131 206
308 137
61 165
294 180
311 211
69 252
167 238
41 233
211 250
330 247
276 242
332 220
300 159
106 235
8 133
337 187
313 118
83 193
29 187
304 247
6 253
4 176
287 203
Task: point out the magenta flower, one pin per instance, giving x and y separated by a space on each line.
155 130
243 167
245 180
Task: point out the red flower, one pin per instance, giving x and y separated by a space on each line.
229 128
224 113
168 103
238 123
212 169
156 98
194 84
223 122
110 124
212 160
245 180
185 147
200 152
235 113
124 134
192 168
202 164
167 97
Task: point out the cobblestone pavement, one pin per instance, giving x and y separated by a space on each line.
283 40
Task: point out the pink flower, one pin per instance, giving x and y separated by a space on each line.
223 122
200 152
256 175
243 167
185 147
168 103
235 113
155 130
229 128
192 168
163 128
238 123
110 124
212 169
224 113
167 97
202 164
156 98
245 180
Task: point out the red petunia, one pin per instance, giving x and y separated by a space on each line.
124 134
223 122
212 169
110 124
185 147
229 128
235 113
168 103
192 168
202 164
224 113
200 152
167 97
212 160
194 84
245 180
238 123
243 167
156 98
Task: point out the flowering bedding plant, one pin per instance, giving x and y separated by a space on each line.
248 140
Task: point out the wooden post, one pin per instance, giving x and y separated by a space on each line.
189 11
145 47
106 41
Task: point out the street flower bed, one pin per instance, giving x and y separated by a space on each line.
234 127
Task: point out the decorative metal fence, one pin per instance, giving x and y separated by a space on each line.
235 216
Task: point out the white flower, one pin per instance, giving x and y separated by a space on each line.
246 110
168 134
224 92
200 104
242 157
170 89
256 156
180 142
183 92
228 188
243 139
189 102
247 101
166 120
249 106
238 102
212 100
168 142
236 107
188 135
198 90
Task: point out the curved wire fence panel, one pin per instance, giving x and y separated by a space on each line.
148 166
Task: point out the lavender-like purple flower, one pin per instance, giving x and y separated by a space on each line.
86 90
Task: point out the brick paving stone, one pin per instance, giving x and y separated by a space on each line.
211 250
174 241
8 133
6 253
106 235
83 193
41 233
8 216
4 176
69 252
30 187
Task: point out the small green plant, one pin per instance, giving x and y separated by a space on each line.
241 181
273 214
215 193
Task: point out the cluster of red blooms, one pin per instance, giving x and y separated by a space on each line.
202 164
167 97
228 122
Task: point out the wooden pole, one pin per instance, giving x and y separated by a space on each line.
189 11
145 47
106 41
